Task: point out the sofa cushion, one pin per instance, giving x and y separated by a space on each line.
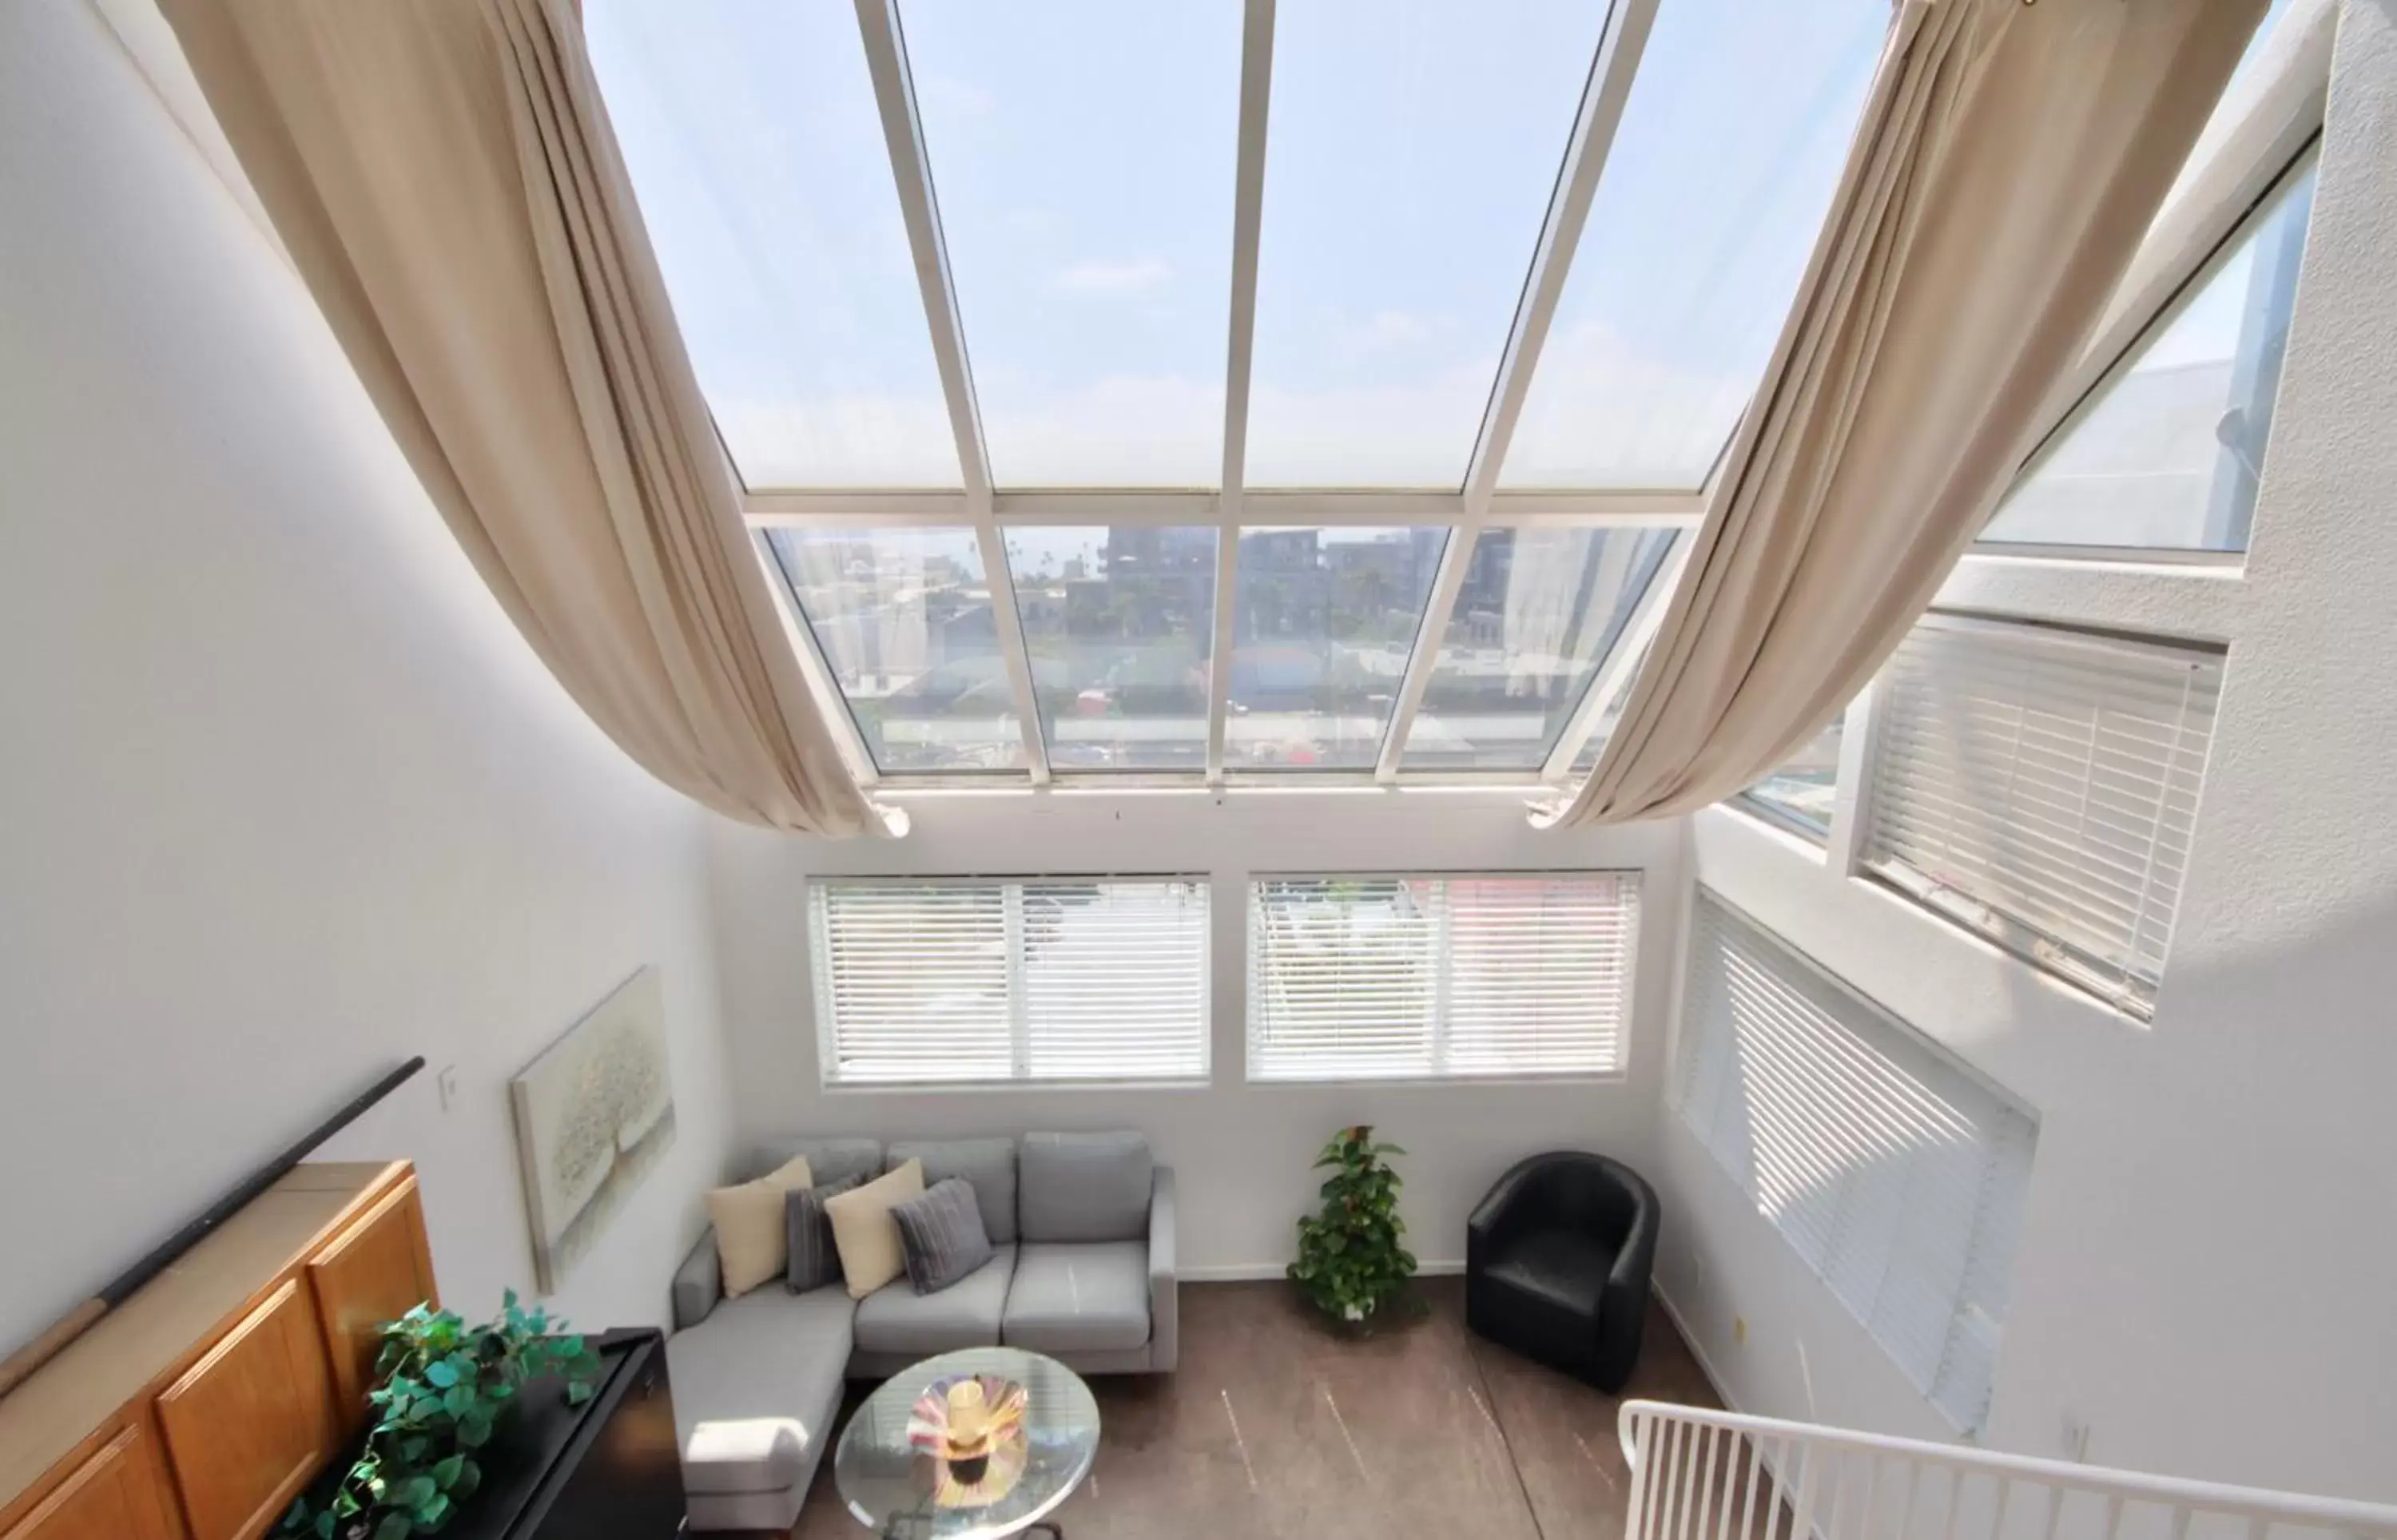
830 1159
864 1232
1085 1187
942 1234
989 1164
757 1388
815 1259
748 1222
896 1319
1078 1296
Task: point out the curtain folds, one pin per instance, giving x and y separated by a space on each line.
445 179
2010 159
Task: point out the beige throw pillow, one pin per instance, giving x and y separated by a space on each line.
864 1232
752 1247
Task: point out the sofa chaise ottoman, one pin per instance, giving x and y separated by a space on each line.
1082 1227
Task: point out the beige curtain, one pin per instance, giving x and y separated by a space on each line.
2011 156
445 179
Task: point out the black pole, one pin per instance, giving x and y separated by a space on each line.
117 1290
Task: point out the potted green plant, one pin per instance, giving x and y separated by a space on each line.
1350 1262
441 1386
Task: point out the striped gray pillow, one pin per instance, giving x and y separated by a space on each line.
814 1263
943 1234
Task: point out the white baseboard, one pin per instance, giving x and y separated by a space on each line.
1255 1272
1697 1351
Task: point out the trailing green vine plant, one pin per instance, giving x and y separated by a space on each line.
441 1387
1350 1262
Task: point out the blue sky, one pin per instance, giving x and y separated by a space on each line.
1083 152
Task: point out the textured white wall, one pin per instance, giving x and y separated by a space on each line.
2208 1263
1241 1151
286 797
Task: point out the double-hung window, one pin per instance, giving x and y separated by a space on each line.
2040 786
966 980
1895 1172
1411 978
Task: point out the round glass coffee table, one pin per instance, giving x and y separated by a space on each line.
892 1474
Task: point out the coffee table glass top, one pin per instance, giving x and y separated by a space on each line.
902 1489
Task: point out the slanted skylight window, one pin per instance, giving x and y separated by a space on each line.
2168 452
1323 624
1119 621
1413 148
905 622
749 129
1215 390
1083 153
1539 612
1721 174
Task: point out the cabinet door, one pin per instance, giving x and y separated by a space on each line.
118 1493
373 1273
252 1422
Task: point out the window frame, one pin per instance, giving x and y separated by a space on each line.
2249 161
1465 511
825 1032
1633 881
2059 958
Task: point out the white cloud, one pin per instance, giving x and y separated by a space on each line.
1135 276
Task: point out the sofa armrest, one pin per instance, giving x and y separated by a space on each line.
698 1284
1164 1299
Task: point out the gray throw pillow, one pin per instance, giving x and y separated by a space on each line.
814 1263
943 1235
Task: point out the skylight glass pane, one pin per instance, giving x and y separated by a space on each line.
750 132
1120 623
1083 153
1718 182
1538 614
904 618
1609 717
2166 454
1413 148
1323 619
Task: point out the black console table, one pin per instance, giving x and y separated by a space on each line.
609 1469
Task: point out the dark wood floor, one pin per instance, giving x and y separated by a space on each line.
1274 1428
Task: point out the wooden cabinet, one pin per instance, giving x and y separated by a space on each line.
118 1494
204 1402
373 1272
251 1424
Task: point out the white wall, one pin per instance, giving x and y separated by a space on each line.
1242 1152
287 798
2208 1265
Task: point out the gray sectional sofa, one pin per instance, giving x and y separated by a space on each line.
1083 1228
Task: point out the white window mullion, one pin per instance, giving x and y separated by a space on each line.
1443 975
1019 1030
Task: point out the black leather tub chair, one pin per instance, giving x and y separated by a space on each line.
1557 1261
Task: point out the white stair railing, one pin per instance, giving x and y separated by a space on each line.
1704 1475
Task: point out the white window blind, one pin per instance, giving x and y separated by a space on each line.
1374 977
986 980
1895 1172
2040 786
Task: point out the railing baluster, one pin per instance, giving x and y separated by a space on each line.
1909 1473
1747 1504
1639 1450
1688 1492
1706 1481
